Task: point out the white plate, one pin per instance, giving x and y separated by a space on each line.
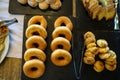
4 52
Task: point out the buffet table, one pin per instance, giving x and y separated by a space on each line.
10 68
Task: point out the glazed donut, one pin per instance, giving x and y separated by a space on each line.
43 5
61 57
110 67
112 62
62 32
34 68
104 56
112 56
51 1
56 5
38 19
22 1
94 50
34 53
89 54
35 29
36 42
32 3
60 43
98 66
63 20
90 40
102 43
89 60
93 44
103 50
88 34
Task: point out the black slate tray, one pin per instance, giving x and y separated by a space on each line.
16 8
52 72
84 22
87 72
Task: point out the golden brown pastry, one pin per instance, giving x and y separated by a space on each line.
43 5
88 34
89 60
110 67
98 66
32 3
89 54
102 43
103 50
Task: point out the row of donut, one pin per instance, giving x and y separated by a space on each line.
36 34
99 48
42 4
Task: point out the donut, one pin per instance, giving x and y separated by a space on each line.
32 3
60 43
94 50
93 44
103 50
88 34
102 43
104 56
43 5
40 1
34 68
112 55
110 67
89 54
22 1
89 60
112 62
34 53
99 9
62 32
35 29
56 5
98 66
36 42
63 20
38 20
90 40
60 57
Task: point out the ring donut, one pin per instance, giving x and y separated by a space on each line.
61 57
35 29
62 32
63 20
89 60
34 53
36 42
34 68
38 20
60 43
110 67
88 34
98 66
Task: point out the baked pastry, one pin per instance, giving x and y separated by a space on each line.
99 9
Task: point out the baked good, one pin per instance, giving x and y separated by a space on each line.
56 5
32 3
38 20
88 34
89 60
90 40
110 67
60 43
61 57
34 68
102 43
51 1
103 50
98 66
40 1
99 9
90 45
63 20
43 5
62 32
34 53
36 42
89 54
35 29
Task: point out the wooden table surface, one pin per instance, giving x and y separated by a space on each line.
10 69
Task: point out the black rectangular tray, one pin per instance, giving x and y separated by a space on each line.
17 8
84 21
87 72
52 72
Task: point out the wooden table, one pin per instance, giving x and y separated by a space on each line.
10 69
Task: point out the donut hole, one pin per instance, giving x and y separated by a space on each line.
63 24
34 69
34 57
35 45
60 58
35 33
61 35
60 46
38 23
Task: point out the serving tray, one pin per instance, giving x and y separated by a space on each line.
87 72
52 72
17 8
